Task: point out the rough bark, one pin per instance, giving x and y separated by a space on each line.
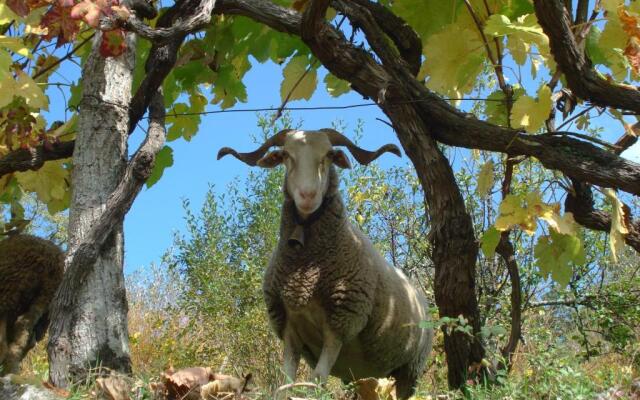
33 159
581 77
91 331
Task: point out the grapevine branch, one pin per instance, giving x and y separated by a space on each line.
581 77
449 125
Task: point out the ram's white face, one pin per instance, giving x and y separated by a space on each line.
308 156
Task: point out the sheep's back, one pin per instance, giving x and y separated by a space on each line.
28 266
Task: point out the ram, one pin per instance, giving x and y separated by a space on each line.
330 295
31 270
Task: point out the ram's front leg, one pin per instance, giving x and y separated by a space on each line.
292 349
331 346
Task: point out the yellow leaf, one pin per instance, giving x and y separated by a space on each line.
521 34
513 213
49 182
564 224
530 113
454 58
29 89
485 179
7 85
295 74
6 15
14 44
618 224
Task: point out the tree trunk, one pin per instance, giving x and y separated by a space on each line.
89 326
454 248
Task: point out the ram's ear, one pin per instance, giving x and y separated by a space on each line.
340 159
271 159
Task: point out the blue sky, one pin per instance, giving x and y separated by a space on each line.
157 212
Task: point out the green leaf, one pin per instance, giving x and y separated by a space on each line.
530 113
297 81
496 106
181 125
427 17
595 53
490 240
164 159
228 88
556 254
336 86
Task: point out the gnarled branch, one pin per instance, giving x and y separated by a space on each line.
34 158
583 80
448 125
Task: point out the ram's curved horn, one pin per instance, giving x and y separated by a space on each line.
361 155
253 157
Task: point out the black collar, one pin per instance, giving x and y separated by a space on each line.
297 237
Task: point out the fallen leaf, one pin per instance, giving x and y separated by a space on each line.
186 383
113 388
376 389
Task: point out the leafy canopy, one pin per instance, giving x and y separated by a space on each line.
491 51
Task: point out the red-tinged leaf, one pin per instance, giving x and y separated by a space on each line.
19 7
88 11
23 8
59 24
112 44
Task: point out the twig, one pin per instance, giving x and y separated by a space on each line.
294 385
66 57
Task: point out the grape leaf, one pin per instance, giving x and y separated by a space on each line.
619 224
454 59
530 113
485 179
496 106
556 253
512 212
164 159
612 42
564 224
14 44
29 89
595 53
490 240
520 35
295 74
336 86
433 15
49 182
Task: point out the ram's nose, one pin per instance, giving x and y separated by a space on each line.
308 194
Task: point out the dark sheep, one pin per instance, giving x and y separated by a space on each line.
31 270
